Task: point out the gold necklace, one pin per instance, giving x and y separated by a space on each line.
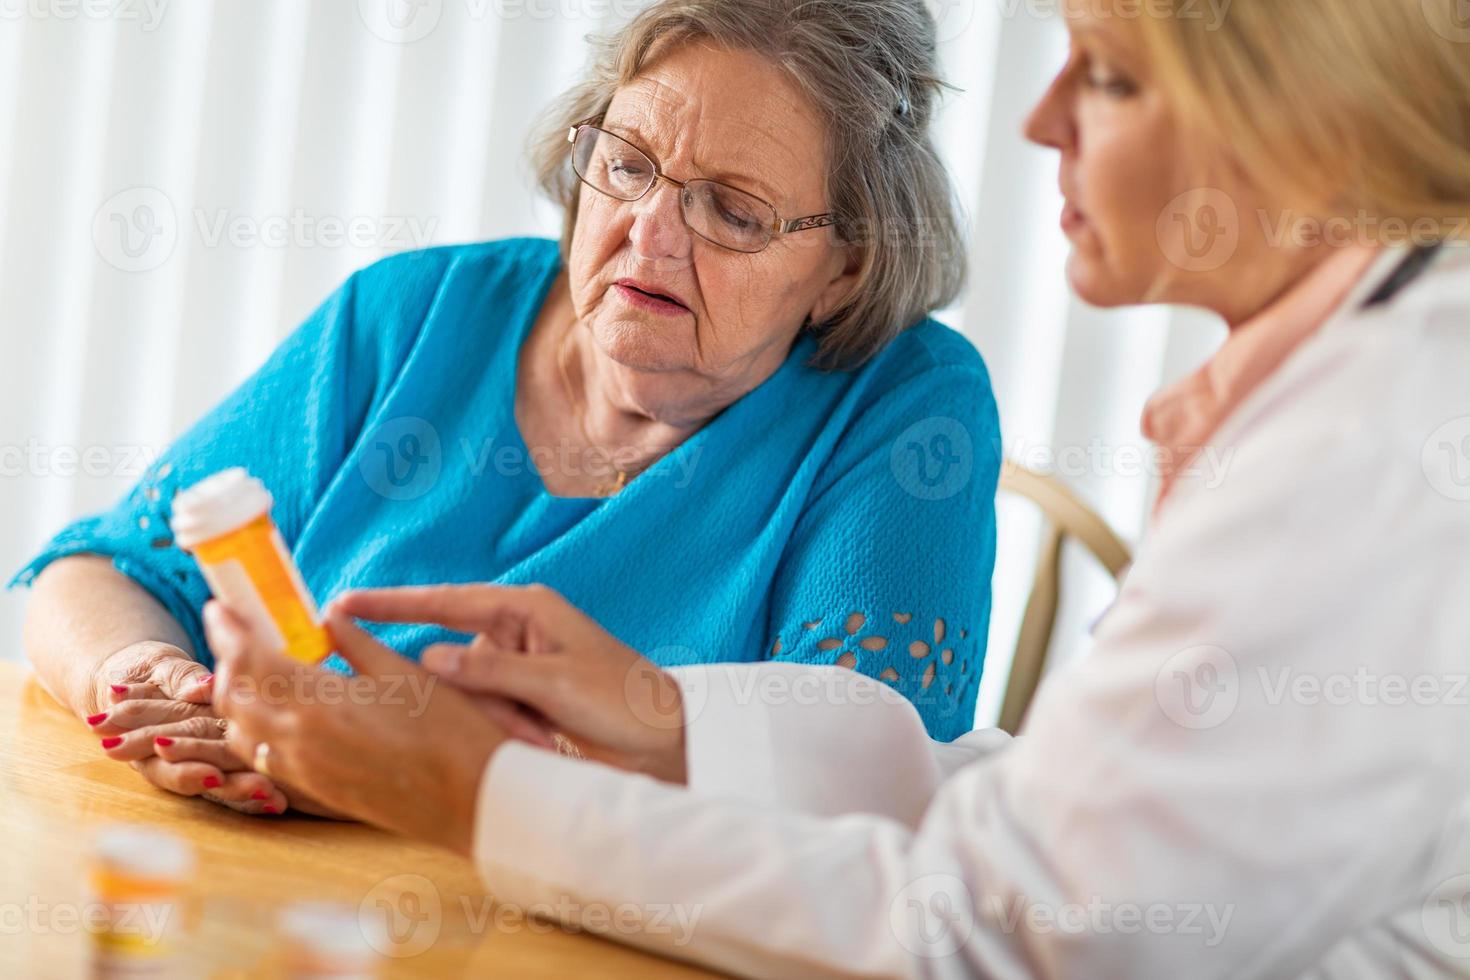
605 489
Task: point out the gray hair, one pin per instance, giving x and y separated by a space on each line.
869 67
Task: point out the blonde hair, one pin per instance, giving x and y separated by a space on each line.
1354 105
869 68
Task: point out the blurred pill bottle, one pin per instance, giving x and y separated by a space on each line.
324 941
138 876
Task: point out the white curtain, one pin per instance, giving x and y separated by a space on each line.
181 181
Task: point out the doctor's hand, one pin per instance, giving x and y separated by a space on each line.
534 648
390 745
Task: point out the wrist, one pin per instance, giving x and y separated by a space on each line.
470 767
671 764
666 759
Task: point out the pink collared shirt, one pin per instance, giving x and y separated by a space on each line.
1181 418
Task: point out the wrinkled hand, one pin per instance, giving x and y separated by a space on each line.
389 745
535 648
158 717
152 671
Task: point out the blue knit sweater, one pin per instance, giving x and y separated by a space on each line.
825 517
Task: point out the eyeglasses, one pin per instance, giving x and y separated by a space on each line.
720 214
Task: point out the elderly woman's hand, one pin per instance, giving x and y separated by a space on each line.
159 720
533 647
406 757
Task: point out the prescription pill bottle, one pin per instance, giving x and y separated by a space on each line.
138 876
321 940
225 522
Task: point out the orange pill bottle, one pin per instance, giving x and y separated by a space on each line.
138 876
327 941
225 522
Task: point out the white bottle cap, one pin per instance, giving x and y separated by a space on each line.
327 939
218 505
137 851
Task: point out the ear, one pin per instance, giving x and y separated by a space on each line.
842 279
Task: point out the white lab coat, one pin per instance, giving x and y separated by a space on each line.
1261 770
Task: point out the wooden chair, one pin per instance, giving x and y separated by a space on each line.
1066 516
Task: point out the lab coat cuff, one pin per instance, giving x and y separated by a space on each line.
727 735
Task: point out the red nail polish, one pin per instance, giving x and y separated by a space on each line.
119 689
260 794
95 720
112 741
163 740
270 808
206 679
211 782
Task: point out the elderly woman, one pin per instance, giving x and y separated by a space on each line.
715 418
1260 770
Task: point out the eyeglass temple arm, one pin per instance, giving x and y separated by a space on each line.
804 224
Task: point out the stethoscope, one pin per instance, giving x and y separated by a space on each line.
1411 268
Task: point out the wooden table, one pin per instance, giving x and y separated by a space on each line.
57 790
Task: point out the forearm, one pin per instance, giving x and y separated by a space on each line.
81 611
730 883
818 740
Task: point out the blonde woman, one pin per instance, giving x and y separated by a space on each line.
1261 770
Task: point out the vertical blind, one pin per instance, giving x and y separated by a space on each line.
182 181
